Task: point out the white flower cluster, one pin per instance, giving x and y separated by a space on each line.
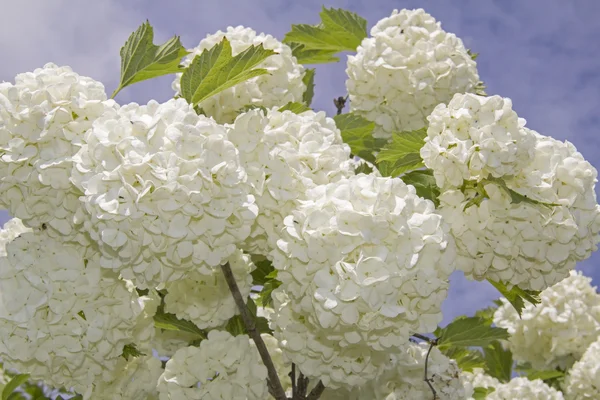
483 158
367 260
320 357
405 380
281 85
135 379
286 154
475 136
556 332
63 318
11 229
523 388
165 190
583 379
223 367
408 66
204 298
478 379
43 117
166 342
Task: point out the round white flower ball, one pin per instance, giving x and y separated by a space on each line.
190 373
43 118
408 66
583 379
558 331
473 137
367 258
136 379
317 353
204 298
523 388
63 318
286 154
166 192
281 85
478 379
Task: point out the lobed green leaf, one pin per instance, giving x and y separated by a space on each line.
167 321
296 108
498 361
357 132
309 81
424 184
215 70
517 296
402 154
469 332
141 59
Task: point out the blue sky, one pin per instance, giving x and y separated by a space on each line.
543 54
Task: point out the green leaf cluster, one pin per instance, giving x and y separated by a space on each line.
402 154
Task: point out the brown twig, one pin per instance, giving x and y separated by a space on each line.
432 343
317 391
275 387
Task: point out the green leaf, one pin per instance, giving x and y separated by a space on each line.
263 268
265 296
251 107
215 70
472 55
517 296
498 361
517 198
424 183
170 322
141 59
235 326
357 132
544 375
14 383
402 154
312 56
466 359
487 314
309 81
339 30
296 108
481 393
130 350
471 331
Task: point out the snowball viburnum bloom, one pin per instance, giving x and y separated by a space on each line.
404 380
523 388
477 379
473 137
317 354
11 229
286 154
558 331
191 372
205 299
583 379
136 379
366 259
281 85
63 318
524 243
408 66
43 118
166 192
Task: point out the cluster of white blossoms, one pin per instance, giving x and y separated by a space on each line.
281 85
165 190
475 136
11 229
558 331
367 260
522 206
286 154
583 379
408 66
478 379
135 380
63 318
204 298
222 367
523 388
43 117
